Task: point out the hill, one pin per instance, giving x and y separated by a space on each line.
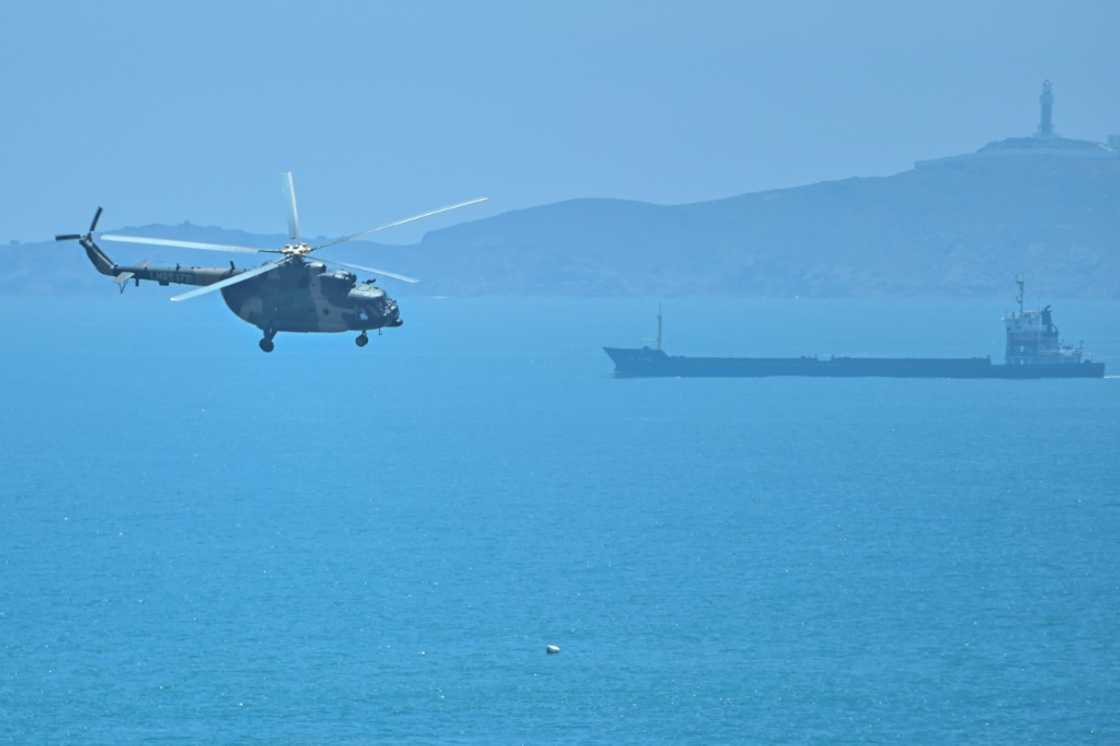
959 228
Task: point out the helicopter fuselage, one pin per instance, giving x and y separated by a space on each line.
303 296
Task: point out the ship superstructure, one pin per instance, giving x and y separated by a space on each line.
1032 338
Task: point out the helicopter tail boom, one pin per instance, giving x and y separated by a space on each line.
165 275
121 274
98 258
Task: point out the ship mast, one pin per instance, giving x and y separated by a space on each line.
1019 297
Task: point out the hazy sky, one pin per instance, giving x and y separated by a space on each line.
165 113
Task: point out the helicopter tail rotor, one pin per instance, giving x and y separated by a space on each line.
80 236
100 261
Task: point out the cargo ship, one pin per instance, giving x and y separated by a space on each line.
1034 350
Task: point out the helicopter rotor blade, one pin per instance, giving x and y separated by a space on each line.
402 221
228 248
371 270
96 217
68 237
231 280
293 213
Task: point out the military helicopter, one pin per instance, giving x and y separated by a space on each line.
292 293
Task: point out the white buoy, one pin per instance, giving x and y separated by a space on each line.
551 649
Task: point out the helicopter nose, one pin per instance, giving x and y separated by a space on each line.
390 313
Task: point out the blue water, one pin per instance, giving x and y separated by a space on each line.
203 543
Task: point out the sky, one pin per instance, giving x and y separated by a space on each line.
168 112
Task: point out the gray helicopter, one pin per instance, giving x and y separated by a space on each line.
292 293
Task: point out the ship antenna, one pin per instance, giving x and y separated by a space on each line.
659 327
1019 297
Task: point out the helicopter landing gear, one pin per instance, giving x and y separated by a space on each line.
266 341
361 340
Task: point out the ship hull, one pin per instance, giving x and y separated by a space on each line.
650 363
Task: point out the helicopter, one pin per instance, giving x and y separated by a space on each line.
295 292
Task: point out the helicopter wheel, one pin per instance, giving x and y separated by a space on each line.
361 340
266 341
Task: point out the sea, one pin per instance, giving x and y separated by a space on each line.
203 543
